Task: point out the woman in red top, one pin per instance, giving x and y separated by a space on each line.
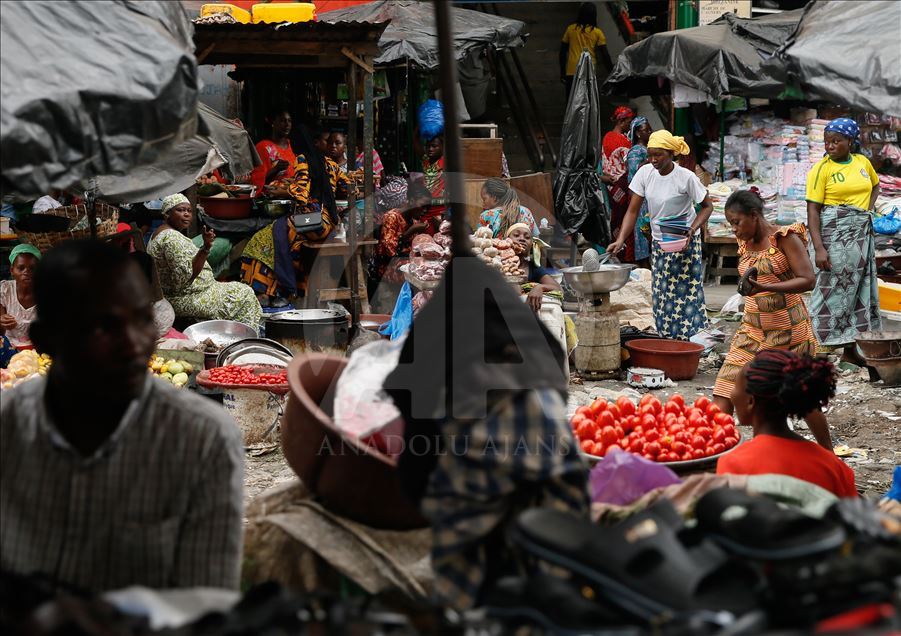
615 148
277 157
777 384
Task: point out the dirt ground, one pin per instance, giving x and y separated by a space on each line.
864 417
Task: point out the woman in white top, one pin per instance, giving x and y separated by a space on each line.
17 308
671 192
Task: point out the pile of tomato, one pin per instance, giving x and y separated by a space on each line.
669 432
237 374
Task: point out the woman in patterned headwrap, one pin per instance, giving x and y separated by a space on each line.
841 191
185 276
672 193
639 133
615 148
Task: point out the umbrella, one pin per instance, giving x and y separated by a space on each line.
413 34
578 195
846 52
721 58
90 88
226 145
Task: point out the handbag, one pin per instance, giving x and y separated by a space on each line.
307 222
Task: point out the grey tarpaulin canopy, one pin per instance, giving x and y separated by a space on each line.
90 88
176 169
413 35
722 58
848 53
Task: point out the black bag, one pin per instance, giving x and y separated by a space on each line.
307 222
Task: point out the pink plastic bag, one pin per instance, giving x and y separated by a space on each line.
622 477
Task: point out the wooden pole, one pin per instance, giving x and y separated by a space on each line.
351 195
369 177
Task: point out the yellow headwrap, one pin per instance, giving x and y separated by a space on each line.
665 139
518 226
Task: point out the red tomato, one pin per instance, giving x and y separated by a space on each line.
647 409
698 442
598 405
666 442
683 436
613 409
679 447
694 413
605 419
697 454
704 431
648 422
719 436
718 448
624 444
682 420
620 433
729 430
708 452
576 420
672 457
608 433
670 419
730 442
626 406
675 428
584 430
598 449
673 408
587 446
652 448
636 446
686 456
638 430
652 435
658 407
647 397
722 419
677 399
584 410
702 403
712 410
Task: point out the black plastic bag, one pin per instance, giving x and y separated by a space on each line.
578 196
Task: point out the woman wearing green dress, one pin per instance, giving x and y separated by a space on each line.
187 279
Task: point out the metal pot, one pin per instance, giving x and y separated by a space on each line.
310 330
276 208
255 351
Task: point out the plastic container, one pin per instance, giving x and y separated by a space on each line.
277 12
676 358
232 208
240 15
673 246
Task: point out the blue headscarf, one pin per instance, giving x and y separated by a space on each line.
636 124
844 126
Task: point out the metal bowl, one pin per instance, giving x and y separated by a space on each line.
221 332
607 279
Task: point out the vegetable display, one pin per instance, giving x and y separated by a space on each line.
502 254
671 432
175 372
24 366
238 374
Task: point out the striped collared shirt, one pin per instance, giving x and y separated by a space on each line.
159 504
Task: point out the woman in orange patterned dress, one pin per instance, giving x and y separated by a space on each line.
775 314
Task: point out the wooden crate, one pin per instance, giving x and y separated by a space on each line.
482 157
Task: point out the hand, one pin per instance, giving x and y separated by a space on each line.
606 178
535 297
208 237
821 256
616 247
7 322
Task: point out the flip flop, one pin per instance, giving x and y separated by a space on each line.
756 527
641 564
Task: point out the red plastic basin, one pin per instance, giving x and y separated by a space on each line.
233 208
677 358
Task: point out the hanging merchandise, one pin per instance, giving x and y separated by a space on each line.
431 119
578 191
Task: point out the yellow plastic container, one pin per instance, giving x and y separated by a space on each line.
237 13
889 296
277 12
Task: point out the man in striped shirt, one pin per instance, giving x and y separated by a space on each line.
109 477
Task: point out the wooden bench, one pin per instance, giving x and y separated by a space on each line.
719 248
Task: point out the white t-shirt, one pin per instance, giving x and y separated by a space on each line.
672 195
18 336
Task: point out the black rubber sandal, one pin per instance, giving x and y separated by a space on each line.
758 528
641 565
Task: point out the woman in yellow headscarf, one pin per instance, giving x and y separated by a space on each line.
672 192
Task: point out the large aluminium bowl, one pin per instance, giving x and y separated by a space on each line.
608 278
221 332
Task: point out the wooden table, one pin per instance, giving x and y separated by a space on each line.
325 278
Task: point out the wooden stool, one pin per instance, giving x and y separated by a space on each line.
324 281
719 249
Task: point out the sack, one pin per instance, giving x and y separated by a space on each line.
887 224
307 222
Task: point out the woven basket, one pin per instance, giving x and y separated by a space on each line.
107 222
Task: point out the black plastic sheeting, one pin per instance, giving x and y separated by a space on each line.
225 146
413 33
90 88
578 190
721 58
848 53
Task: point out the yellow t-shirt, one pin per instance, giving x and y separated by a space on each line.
850 183
579 40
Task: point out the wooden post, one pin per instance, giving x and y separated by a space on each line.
369 177
351 195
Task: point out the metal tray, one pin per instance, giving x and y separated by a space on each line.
254 351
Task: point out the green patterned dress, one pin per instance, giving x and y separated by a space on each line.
204 297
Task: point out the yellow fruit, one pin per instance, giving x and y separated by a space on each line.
180 378
21 373
166 376
175 368
164 369
188 368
